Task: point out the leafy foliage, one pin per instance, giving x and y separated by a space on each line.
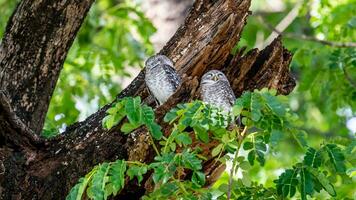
268 115
104 180
136 114
323 86
262 115
308 176
201 118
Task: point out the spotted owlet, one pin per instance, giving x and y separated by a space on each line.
161 78
216 90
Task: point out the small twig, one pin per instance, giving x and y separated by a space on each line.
242 136
154 145
244 132
15 121
232 172
181 186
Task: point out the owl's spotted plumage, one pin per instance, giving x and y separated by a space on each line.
161 78
216 90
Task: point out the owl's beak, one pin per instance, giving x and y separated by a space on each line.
215 78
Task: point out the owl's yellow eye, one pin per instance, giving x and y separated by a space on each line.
209 75
220 75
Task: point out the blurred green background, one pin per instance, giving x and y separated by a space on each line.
116 37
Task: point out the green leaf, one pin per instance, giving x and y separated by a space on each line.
260 157
256 107
245 165
273 103
276 136
306 183
148 114
244 100
163 172
96 190
128 128
155 130
301 137
112 110
171 115
336 157
168 189
201 133
116 114
133 110
183 138
189 160
77 191
260 146
237 108
351 148
198 178
137 171
117 176
108 122
164 168
287 182
247 145
216 151
251 157
312 158
323 181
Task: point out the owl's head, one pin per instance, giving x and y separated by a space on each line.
157 60
213 76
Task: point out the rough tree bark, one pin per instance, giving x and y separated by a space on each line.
31 58
37 39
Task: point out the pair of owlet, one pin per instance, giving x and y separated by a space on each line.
162 80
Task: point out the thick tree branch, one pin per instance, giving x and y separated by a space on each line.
23 132
35 44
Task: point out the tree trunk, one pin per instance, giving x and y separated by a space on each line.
32 56
35 45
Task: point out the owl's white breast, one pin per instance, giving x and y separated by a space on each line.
158 84
215 94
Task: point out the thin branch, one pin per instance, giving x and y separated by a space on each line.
302 36
325 42
282 25
233 167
